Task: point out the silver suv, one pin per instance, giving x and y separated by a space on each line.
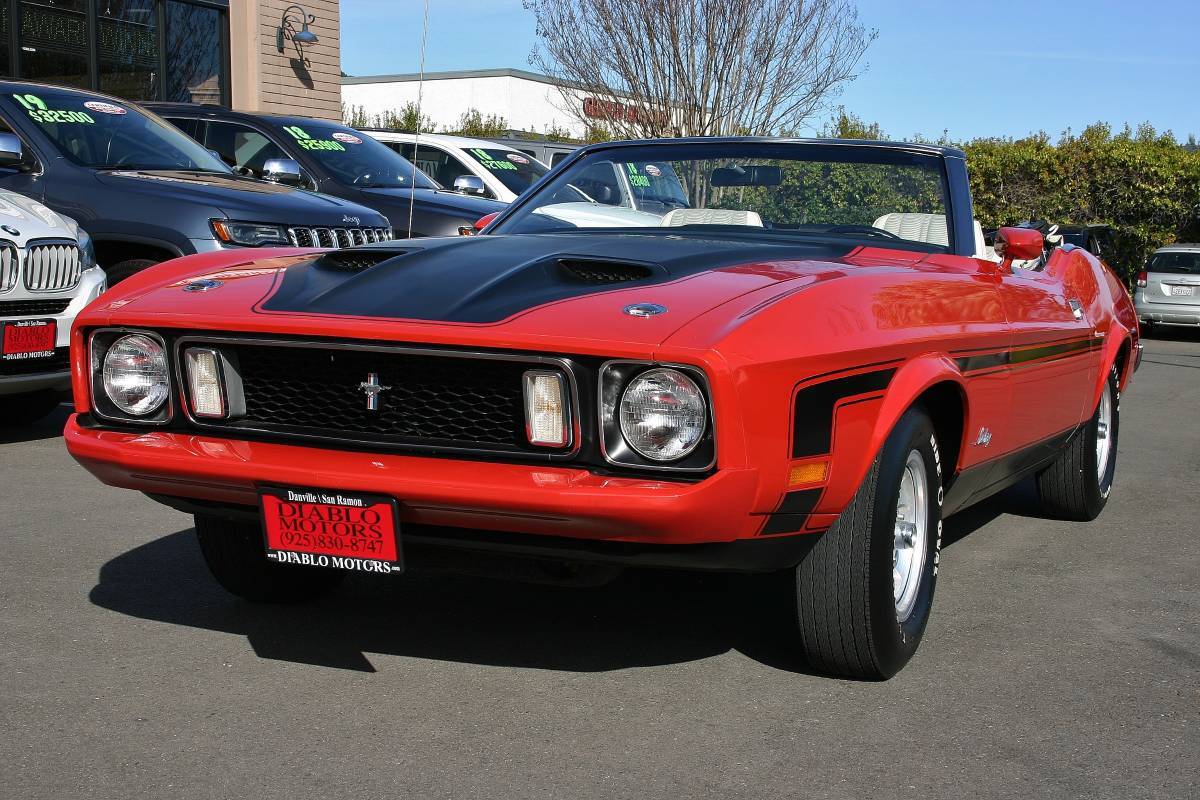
48 273
1168 289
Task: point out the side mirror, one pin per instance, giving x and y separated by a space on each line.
1018 244
469 184
480 224
282 170
11 154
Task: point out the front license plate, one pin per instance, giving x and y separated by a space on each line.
326 528
1183 291
28 338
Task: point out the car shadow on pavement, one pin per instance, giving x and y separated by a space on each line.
48 427
644 618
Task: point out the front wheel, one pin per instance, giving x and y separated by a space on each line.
236 557
864 592
1077 484
124 269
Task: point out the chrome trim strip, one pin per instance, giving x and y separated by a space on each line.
694 372
561 363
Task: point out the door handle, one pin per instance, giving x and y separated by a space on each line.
1076 308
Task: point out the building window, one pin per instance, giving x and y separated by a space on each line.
194 53
128 48
143 49
54 42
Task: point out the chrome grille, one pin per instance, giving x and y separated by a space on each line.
10 266
337 237
52 266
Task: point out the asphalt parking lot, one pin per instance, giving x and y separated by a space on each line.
1062 660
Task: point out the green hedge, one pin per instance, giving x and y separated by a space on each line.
1145 185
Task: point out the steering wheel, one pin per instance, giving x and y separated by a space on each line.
364 178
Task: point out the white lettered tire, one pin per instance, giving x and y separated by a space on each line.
864 592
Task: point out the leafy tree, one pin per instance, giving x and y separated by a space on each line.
473 123
408 119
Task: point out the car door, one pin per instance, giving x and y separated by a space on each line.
1054 356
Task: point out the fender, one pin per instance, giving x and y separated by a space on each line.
912 379
1116 338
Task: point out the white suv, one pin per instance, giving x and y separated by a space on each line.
48 273
503 171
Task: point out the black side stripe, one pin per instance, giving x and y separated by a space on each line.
812 417
792 512
1015 358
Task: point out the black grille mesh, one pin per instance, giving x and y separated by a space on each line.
32 308
433 400
600 272
356 260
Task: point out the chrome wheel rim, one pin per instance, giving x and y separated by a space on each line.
1103 433
910 537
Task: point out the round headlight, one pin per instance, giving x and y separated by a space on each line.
662 414
135 375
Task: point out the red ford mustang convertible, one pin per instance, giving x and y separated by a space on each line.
757 355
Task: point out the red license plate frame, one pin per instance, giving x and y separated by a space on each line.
28 339
331 528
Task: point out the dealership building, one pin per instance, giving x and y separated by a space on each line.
527 100
253 55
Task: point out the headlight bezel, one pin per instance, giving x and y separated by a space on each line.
87 249
100 342
614 377
235 233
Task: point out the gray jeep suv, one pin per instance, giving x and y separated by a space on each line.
146 192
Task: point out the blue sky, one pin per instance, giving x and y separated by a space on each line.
972 68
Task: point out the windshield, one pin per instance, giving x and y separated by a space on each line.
356 159
516 171
102 134
778 190
1179 263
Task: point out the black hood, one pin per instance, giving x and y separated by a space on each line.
490 278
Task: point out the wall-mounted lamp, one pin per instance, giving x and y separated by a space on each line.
287 29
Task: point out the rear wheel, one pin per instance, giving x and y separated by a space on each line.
236 557
1077 484
864 592
23 409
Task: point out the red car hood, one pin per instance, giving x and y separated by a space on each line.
494 291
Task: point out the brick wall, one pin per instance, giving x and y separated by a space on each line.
266 80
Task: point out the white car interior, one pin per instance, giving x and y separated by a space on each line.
709 216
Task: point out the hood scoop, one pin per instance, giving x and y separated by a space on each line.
599 272
353 260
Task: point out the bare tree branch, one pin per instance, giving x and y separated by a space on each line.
698 67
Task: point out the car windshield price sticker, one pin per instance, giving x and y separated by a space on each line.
305 140
38 110
322 528
27 339
636 178
492 163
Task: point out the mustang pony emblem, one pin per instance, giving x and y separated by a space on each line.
373 388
